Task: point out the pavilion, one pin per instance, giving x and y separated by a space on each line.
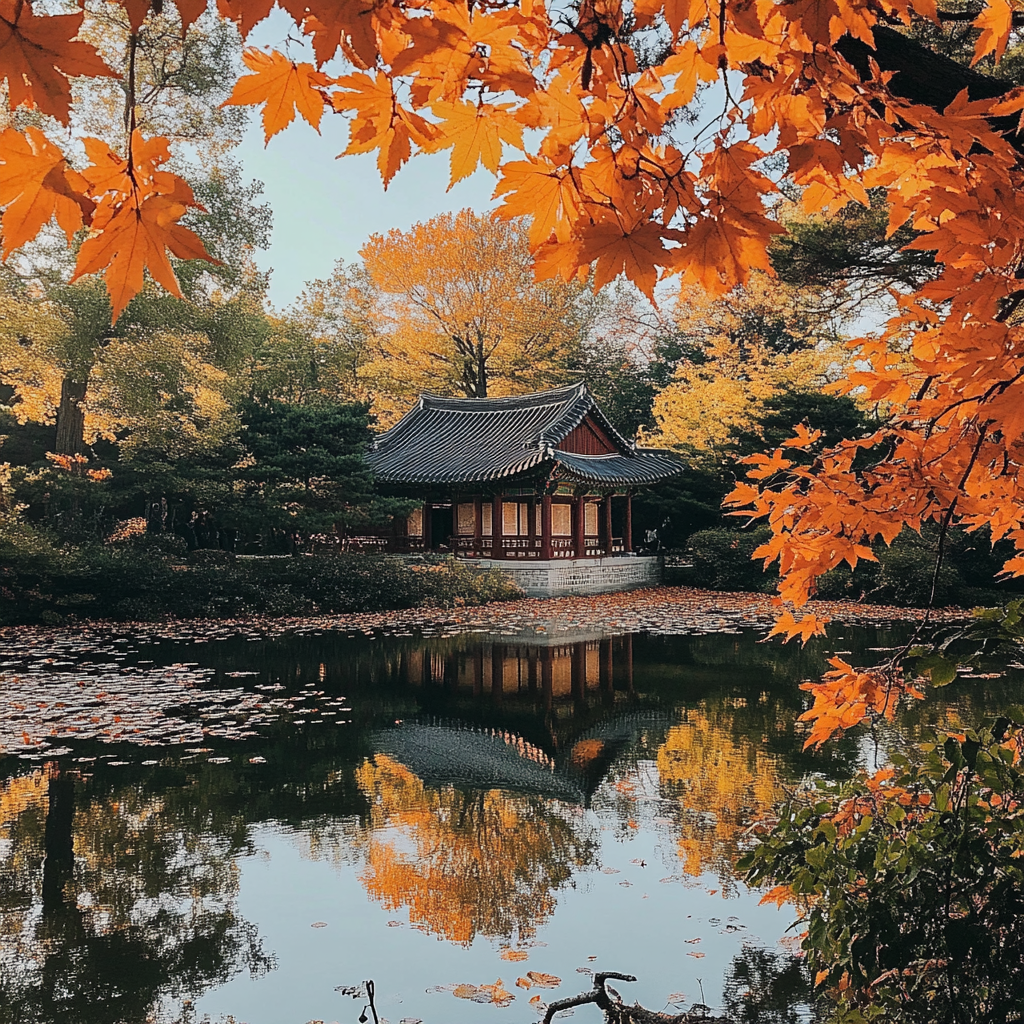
539 484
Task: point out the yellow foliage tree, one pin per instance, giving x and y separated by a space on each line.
723 782
737 352
465 864
459 312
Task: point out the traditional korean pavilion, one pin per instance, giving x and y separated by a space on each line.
541 484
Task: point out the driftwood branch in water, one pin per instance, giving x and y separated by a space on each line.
617 1012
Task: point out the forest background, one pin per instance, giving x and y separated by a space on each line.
239 427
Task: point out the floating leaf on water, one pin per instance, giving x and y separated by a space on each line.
676 998
524 983
514 954
542 980
697 956
318 924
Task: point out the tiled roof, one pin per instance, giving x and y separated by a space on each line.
476 440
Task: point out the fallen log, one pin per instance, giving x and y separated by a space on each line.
617 1012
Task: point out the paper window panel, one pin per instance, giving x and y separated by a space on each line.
467 520
414 524
487 528
561 520
590 519
510 518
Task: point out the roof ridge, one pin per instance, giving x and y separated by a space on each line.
466 404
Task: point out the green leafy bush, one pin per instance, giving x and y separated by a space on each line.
721 560
911 882
43 582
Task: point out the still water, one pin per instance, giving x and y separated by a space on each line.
425 812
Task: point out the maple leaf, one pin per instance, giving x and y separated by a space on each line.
39 54
996 22
381 123
246 14
636 253
282 87
136 219
134 237
536 188
346 24
807 626
475 135
36 184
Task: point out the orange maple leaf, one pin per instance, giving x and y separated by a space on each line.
807 626
636 253
536 188
282 87
136 220
995 21
39 54
36 184
475 135
381 123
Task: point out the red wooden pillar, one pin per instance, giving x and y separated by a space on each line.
497 526
497 673
427 539
579 527
607 667
546 681
578 670
478 525
531 528
627 530
545 527
606 540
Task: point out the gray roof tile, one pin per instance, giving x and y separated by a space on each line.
477 440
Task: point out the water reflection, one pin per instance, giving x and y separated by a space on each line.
466 863
467 784
111 902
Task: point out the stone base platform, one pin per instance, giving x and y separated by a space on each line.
561 577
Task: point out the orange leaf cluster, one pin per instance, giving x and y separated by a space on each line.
845 697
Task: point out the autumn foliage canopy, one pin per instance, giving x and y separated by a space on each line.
584 112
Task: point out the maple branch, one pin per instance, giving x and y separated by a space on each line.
971 14
923 76
129 112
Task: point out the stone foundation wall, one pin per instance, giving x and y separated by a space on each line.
562 577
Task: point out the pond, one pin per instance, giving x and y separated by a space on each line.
247 827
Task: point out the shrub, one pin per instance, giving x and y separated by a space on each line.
43 582
721 560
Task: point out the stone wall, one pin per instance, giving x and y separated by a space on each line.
562 577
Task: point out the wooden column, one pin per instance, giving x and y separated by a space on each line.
497 672
426 526
478 672
627 530
531 669
497 525
579 527
607 685
578 671
606 508
545 527
546 682
478 525
531 530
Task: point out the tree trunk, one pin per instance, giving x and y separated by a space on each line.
71 417
59 839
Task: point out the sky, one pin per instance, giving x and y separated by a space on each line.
326 208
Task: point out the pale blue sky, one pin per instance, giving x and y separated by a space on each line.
325 208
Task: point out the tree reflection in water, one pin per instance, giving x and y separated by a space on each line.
111 903
466 863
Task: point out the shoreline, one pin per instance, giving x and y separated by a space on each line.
666 610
